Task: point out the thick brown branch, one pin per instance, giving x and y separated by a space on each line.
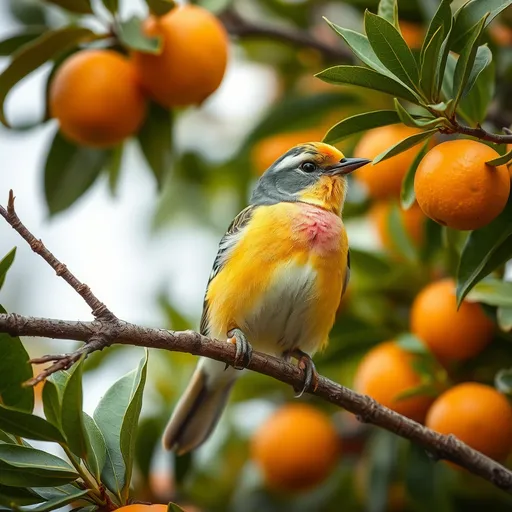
99 310
239 27
366 409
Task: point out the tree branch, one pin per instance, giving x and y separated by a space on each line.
482 134
366 409
239 27
106 329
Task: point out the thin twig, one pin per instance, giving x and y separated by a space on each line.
482 134
240 27
99 310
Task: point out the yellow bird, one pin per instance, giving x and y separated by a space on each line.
276 283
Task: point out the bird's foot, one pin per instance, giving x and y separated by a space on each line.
243 353
306 364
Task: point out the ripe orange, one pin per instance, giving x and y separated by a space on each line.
384 179
451 335
455 188
478 415
296 448
193 58
412 33
97 99
266 151
412 219
384 373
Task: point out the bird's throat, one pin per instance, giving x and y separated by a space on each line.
328 193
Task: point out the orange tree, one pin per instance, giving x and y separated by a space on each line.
425 327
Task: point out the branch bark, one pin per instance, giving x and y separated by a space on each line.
107 329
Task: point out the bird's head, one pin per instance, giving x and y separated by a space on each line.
313 173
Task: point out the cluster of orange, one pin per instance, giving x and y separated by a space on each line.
99 96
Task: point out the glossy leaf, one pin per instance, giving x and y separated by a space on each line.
148 437
388 9
96 450
441 19
69 172
500 160
5 264
430 64
13 43
493 292
155 139
407 194
130 34
111 5
366 78
404 145
114 168
58 502
469 14
32 55
53 392
399 237
503 381
360 123
482 59
444 56
473 107
465 62
416 122
27 467
391 49
504 318
76 6
160 7
72 419
116 417
14 371
361 47
18 496
172 507
485 249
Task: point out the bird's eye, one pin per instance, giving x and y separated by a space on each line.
308 167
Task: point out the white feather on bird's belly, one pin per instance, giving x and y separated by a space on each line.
280 320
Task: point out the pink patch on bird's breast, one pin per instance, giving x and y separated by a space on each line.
318 228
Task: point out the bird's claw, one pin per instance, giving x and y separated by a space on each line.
243 353
306 364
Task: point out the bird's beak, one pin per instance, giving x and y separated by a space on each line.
347 165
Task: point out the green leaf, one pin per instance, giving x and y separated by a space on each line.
77 6
96 449
441 19
114 168
155 139
27 425
485 249
447 85
430 65
69 172
116 416
172 507
18 496
13 43
482 59
407 194
427 389
14 371
7 438
465 62
71 416
416 122
160 7
53 391
360 46
504 318
148 438
495 162
111 5
469 14
27 467
298 112
32 55
367 78
399 236
493 292
59 501
5 264
388 9
391 49
404 145
503 381
360 123
130 34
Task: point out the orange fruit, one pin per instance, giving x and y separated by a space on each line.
450 335
455 188
384 373
384 179
501 34
478 415
412 219
140 507
97 99
266 151
412 33
296 448
193 59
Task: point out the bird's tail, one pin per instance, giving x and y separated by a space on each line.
200 407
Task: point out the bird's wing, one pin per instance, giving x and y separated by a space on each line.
227 242
347 276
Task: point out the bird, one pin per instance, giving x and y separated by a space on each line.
276 283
